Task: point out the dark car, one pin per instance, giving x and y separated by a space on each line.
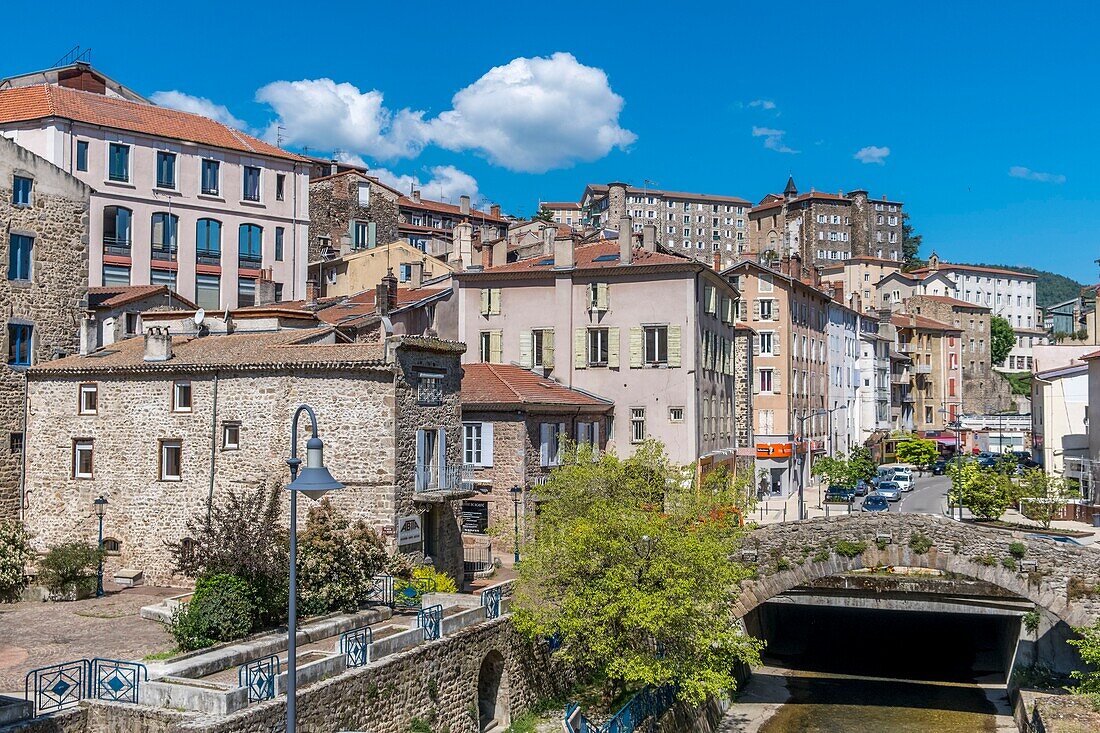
843 494
987 461
862 488
939 468
874 503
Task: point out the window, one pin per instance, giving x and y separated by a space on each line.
15 443
655 345
364 234
280 186
250 245
21 191
164 228
19 266
279 232
598 344
118 162
251 188
170 459
675 414
550 435
20 338
364 194
637 424
767 421
490 301
89 399
211 177
116 275
597 297
116 230
429 389
208 291
82 155
767 341
83 449
181 396
166 169
542 348
477 443
231 436
767 313
208 241
111 546
490 342
246 292
767 380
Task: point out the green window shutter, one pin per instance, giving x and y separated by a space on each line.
372 235
526 343
613 348
548 349
636 334
495 339
484 301
580 360
601 296
674 346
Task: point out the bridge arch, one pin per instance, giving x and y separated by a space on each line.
1063 580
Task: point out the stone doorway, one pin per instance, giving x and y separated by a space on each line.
493 710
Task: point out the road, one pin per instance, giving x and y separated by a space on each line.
929 495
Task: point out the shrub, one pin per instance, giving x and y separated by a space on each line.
987 560
782 564
1017 550
69 571
1077 587
847 548
881 543
221 609
1009 563
1030 621
337 559
1088 647
920 543
821 555
15 554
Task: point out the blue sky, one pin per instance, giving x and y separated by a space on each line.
988 110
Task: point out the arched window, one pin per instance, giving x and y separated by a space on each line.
164 228
111 546
208 241
188 547
250 245
117 230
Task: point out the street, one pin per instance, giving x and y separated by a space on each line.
929 495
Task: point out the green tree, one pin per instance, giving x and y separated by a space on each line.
15 555
337 561
835 471
544 215
632 565
917 452
1001 340
861 464
910 245
1088 647
1042 496
986 493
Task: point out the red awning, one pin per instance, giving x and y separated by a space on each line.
946 441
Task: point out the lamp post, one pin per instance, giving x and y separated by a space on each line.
100 506
516 492
956 425
314 481
805 462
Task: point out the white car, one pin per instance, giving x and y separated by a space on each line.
903 477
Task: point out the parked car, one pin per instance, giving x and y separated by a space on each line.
862 488
874 502
1061 539
890 490
843 494
903 477
939 468
987 461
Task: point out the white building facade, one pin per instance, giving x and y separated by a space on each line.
844 351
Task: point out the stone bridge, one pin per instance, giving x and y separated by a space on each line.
1064 580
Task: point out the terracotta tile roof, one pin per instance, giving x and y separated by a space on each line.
353 311
591 256
113 296
443 208
905 320
560 205
40 101
507 384
923 272
815 195
1091 355
266 349
599 188
952 302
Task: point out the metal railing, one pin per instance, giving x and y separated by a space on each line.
650 702
355 645
410 593
476 560
381 590
451 478
431 620
208 257
164 253
490 601
1016 422
922 368
258 677
117 247
250 261
60 686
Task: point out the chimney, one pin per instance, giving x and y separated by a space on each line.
333 168
838 291
385 295
416 274
494 210
486 255
416 195
345 244
89 338
463 244
626 237
265 288
548 232
158 344
500 253
311 292
717 261
464 205
649 237
563 253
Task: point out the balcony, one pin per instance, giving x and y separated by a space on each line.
923 368
906 348
250 261
909 398
163 253
453 482
899 380
208 257
116 247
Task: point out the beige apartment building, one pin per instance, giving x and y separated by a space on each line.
859 277
935 349
789 319
177 199
563 212
360 270
652 332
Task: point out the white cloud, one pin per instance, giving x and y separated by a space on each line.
198 105
872 154
531 115
1019 171
762 103
446 183
773 139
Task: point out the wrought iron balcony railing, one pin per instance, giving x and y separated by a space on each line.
116 246
452 478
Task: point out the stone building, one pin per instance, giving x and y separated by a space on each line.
349 211
788 315
431 226
161 426
825 228
178 199
696 225
512 422
936 373
44 256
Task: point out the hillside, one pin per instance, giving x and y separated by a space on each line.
1050 288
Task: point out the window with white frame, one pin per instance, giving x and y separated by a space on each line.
231 436
767 343
171 460
676 414
597 346
181 395
767 380
767 313
655 345
83 451
550 435
89 398
637 424
477 444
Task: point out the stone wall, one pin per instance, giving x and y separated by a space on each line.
57 219
334 202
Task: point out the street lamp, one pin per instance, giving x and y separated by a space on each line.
516 492
805 461
100 506
314 481
956 425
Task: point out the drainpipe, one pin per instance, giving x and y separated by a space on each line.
213 449
23 456
294 241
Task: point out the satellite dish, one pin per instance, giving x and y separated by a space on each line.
200 316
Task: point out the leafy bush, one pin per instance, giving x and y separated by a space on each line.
337 559
881 543
846 548
1017 550
221 609
15 554
782 564
920 543
1088 647
987 560
1030 621
1009 563
821 555
69 571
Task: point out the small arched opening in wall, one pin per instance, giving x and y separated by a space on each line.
493 710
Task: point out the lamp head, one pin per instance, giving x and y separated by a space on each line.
100 506
314 480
